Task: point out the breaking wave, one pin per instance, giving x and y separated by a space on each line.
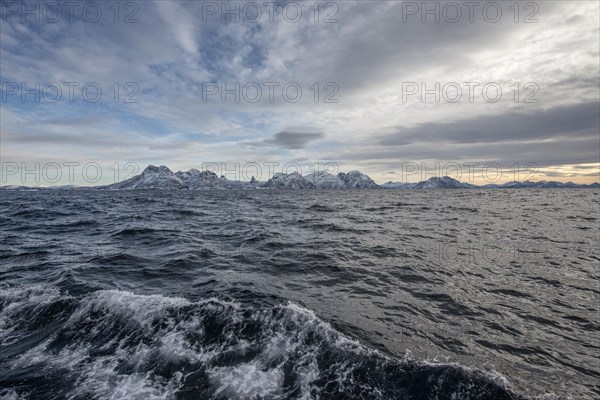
119 345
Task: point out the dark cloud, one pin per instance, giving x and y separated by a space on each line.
559 135
289 140
93 138
543 153
73 121
573 121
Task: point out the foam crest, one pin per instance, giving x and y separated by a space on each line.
120 345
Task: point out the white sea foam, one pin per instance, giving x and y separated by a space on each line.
247 381
142 314
121 345
19 300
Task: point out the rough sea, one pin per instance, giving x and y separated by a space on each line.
300 294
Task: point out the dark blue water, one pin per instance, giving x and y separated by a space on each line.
299 294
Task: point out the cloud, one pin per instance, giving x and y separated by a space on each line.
572 122
171 51
289 140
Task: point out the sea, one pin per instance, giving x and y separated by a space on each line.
300 294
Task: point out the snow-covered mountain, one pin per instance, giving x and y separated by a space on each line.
357 180
539 185
202 180
151 178
350 180
288 181
445 182
325 180
161 177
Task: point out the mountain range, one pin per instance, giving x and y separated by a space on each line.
162 177
446 182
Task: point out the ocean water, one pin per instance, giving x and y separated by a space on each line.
374 294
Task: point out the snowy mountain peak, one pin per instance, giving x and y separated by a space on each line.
153 169
325 180
357 180
436 182
198 180
444 182
152 177
288 181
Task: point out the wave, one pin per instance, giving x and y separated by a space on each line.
119 345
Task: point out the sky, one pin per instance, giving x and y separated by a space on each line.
485 92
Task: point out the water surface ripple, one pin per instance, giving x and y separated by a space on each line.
468 294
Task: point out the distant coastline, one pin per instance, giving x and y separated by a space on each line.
163 178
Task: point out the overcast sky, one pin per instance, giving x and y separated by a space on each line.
369 60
